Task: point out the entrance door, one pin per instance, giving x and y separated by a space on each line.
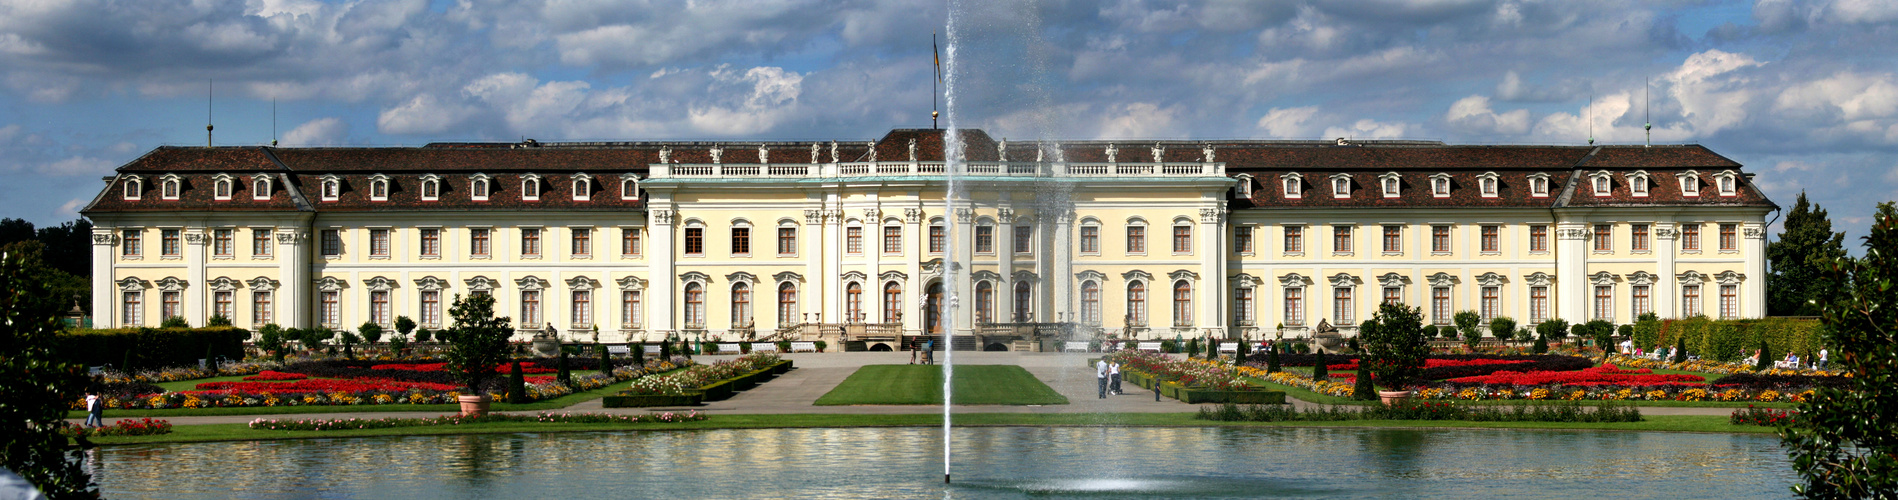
932 309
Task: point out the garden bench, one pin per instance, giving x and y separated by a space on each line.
1150 346
1072 346
1232 347
728 349
764 347
803 347
619 349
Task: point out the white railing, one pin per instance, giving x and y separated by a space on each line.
910 168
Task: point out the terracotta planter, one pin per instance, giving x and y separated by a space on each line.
1392 398
474 406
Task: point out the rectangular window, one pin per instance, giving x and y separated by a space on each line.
331 310
171 305
1605 302
378 243
431 308
1491 235
1642 304
1091 239
1341 307
332 242
1294 239
1538 304
1341 239
168 243
985 239
224 304
1690 237
530 309
787 241
1024 239
134 312
629 309
1294 306
431 242
1729 237
1182 239
260 244
530 242
1538 238
261 309
893 239
1439 239
939 239
1136 239
1638 237
1440 305
1492 303
741 241
1604 237
629 243
582 241
695 241
1393 239
1242 240
478 242
1690 301
582 309
379 307
1393 295
1242 306
223 243
129 243
1729 301
853 240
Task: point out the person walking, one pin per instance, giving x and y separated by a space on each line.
95 410
1100 376
929 352
1113 375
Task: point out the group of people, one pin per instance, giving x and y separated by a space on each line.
1108 374
1793 361
95 410
928 351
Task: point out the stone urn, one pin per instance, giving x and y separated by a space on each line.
546 347
1390 398
1327 336
474 406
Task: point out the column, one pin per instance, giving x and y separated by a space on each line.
811 247
873 262
1571 272
105 293
1753 290
917 288
1005 262
1060 276
833 311
1212 282
963 269
661 295
1666 289
293 254
195 293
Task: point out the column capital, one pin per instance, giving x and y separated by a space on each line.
106 238
661 217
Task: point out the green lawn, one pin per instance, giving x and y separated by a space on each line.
922 385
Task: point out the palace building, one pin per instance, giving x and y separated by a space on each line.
850 240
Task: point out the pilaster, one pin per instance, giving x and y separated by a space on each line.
1061 276
1753 290
663 309
295 256
105 311
1571 272
1212 287
198 295
1666 289
1005 263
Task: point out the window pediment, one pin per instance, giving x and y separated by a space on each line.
379 284
132 284
1443 279
331 284
223 284
172 284
1393 280
1604 278
1392 184
431 284
742 277
531 283
1539 279
1729 278
1136 275
1294 280
1344 280
631 283
1691 278
582 283
1641 278
482 284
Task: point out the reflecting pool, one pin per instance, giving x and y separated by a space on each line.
991 462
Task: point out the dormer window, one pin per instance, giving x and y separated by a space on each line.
478 187
530 187
1341 186
1604 186
582 187
1728 182
1294 186
221 187
431 187
1440 185
169 186
1392 183
1488 183
332 188
629 187
378 187
1244 188
1638 183
1690 183
260 187
1539 185
134 186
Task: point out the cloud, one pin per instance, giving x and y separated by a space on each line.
319 132
1287 122
423 114
1138 120
1372 129
1473 114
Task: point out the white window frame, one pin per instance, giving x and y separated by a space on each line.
170 186
222 186
260 187
1489 183
1727 182
1341 186
431 187
331 188
1243 188
530 187
1539 185
1440 185
1690 183
480 186
1637 183
1293 185
134 187
629 186
582 187
1603 183
379 187
1392 184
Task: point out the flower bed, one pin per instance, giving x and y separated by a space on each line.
1195 373
363 391
699 383
1690 392
526 367
542 418
275 375
321 385
1597 376
1437 363
1430 410
1713 367
1762 416
1745 380
142 427
1445 366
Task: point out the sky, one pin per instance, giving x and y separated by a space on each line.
1801 92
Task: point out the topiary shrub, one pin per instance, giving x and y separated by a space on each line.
1542 345
1319 371
1272 360
217 320
1766 357
1466 322
820 345
1680 350
371 332
1431 331
175 322
1192 348
516 384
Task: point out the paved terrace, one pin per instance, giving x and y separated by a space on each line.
817 373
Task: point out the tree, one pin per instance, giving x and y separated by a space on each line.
1394 345
270 339
1466 322
1602 332
1554 328
1319 371
479 341
349 341
1800 259
1502 327
1766 357
1845 442
404 325
371 332
175 322
217 320
38 386
1272 359
1680 349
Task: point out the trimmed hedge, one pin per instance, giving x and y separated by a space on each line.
1533 363
1728 340
147 348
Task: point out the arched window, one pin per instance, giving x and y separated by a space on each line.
431 187
629 187
169 188
478 187
1090 303
379 189
985 302
1136 303
1341 187
260 188
134 186
853 302
1489 186
694 305
221 189
1024 302
787 305
530 187
1539 185
332 188
1182 303
582 187
741 305
892 302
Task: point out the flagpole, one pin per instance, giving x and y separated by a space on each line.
935 93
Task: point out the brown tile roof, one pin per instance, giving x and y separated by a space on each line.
1414 190
405 193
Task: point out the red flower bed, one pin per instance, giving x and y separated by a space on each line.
1602 375
322 385
526 367
276 375
1437 363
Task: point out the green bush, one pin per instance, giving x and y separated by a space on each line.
371 332
217 320
1647 332
175 322
1431 331
151 347
1726 340
1319 371
1166 346
1192 348
1502 327
1553 329
821 345
1466 322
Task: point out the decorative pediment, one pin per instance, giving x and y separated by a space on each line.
1097 276
1344 280
889 276
1393 280
695 277
1729 278
631 283
1604 278
224 284
742 277
263 284
130 284
985 275
1491 279
1243 280
172 284
481 284
582 283
1641 278
1691 278
1443 279
1538 278
857 276
1183 275
531 283
431 284
1294 280
1136 275
1026 277
787 277
379 284
331 284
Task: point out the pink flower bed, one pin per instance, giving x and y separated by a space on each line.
1436 363
321 385
276 375
526 367
1601 375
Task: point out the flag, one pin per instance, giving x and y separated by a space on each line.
938 52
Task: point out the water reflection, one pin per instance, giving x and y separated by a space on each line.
993 462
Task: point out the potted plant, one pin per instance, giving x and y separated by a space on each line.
1394 348
478 344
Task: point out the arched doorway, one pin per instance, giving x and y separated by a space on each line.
932 309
